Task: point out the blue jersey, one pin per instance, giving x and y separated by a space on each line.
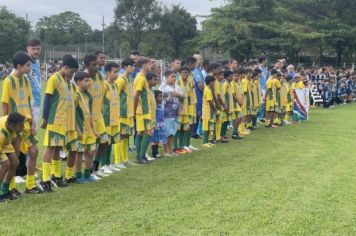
36 83
198 77
264 77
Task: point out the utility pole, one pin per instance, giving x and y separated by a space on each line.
103 34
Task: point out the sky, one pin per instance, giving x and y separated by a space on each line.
93 11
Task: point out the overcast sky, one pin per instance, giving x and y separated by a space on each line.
92 11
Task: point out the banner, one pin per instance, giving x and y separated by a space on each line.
301 104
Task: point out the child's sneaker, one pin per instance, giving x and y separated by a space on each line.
193 148
206 145
105 169
114 168
120 166
187 149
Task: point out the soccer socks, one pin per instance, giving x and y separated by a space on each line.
86 173
69 172
108 155
125 150
218 129
144 145
182 136
46 171
138 144
224 129
205 137
12 184
30 182
79 175
117 152
5 187
176 138
188 136
254 121
56 168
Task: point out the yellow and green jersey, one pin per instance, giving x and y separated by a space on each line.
6 137
17 94
152 101
285 94
124 88
228 95
255 93
111 106
218 92
192 94
96 92
143 106
298 85
58 111
83 114
72 94
184 86
208 111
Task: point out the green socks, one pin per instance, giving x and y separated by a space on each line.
138 144
5 187
144 145
188 136
86 173
205 137
182 135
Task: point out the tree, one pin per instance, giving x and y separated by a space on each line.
179 26
14 34
137 17
65 28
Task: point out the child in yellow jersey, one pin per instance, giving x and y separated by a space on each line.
191 64
284 99
55 112
271 98
125 91
87 135
72 135
289 107
111 111
238 102
246 107
16 96
221 108
10 127
183 130
227 93
142 109
277 86
96 92
256 96
208 111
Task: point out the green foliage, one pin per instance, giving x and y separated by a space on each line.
14 33
281 27
137 17
65 28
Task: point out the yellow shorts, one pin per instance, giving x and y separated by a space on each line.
114 134
27 139
72 141
289 107
184 121
88 143
99 126
225 116
55 136
208 125
143 124
126 126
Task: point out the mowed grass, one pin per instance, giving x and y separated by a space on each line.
295 180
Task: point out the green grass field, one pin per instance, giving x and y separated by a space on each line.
296 180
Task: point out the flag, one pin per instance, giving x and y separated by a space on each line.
301 104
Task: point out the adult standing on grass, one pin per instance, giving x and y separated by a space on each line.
262 62
199 89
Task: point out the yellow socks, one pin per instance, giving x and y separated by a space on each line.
30 182
12 184
117 152
46 171
69 172
125 150
56 168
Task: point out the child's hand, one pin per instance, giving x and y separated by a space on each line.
96 134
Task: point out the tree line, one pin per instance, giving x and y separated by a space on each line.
242 29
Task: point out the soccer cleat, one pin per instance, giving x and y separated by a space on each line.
150 158
35 190
143 161
167 155
187 149
120 166
193 148
45 186
114 168
95 177
130 163
207 145
275 126
179 151
58 182
16 193
2 199
105 170
82 181
236 136
100 174
9 196
70 181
